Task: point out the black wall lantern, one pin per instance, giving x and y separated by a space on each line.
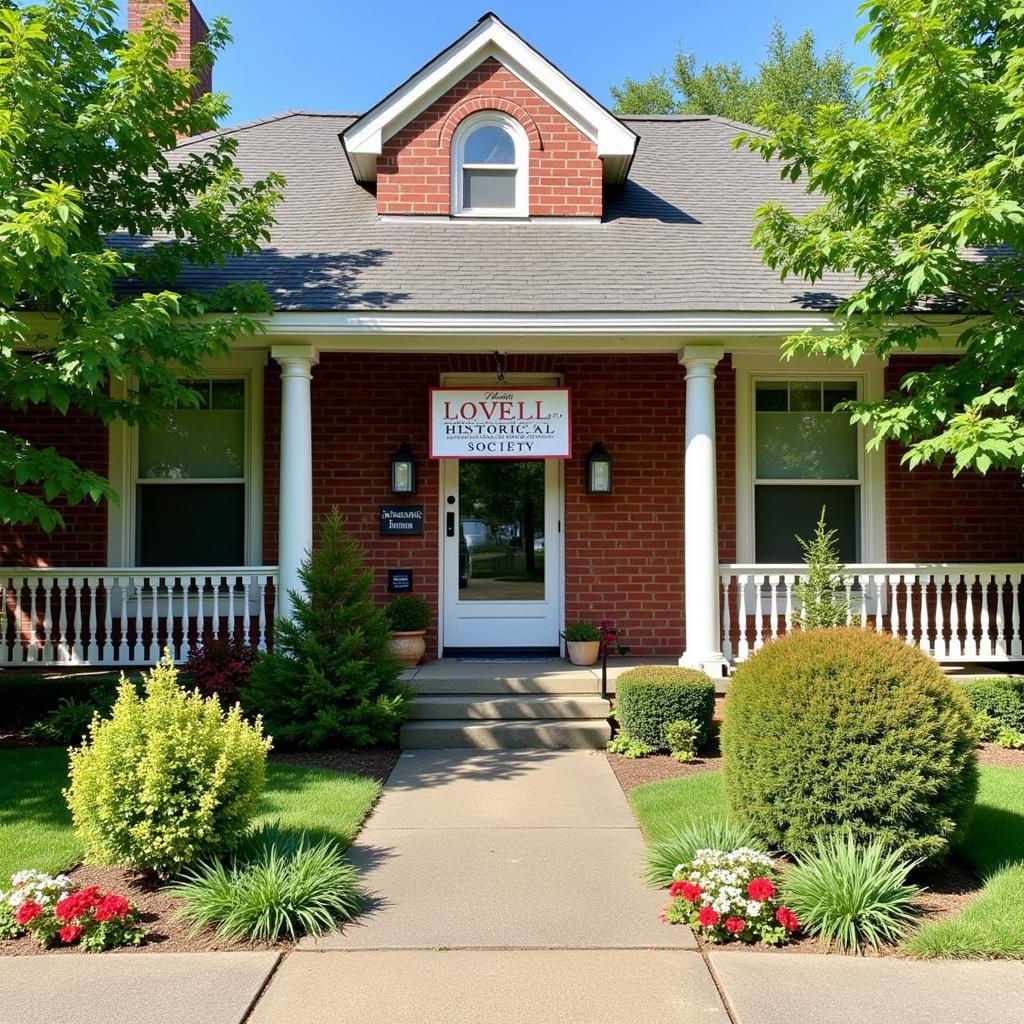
599 470
403 470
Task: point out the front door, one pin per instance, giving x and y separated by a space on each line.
501 537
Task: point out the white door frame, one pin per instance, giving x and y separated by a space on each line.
454 380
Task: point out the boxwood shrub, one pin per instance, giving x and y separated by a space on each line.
652 697
1001 699
843 728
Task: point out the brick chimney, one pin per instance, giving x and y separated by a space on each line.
192 30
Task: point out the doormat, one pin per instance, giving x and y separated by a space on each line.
505 660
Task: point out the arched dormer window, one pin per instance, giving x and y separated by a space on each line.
490 173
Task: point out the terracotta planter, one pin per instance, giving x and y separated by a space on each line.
408 648
583 652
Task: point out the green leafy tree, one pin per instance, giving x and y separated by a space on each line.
792 81
821 596
89 316
922 199
330 678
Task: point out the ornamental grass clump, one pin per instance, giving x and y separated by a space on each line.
650 698
852 895
677 847
832 730
284 885
168 779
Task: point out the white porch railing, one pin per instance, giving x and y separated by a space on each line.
128 616
953 612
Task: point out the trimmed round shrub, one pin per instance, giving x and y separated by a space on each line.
835 729
650 698
170 778
1000 699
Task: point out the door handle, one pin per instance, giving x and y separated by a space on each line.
449 527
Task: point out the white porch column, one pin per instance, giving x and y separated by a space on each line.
700 512
295 516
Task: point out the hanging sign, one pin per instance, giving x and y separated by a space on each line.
500 423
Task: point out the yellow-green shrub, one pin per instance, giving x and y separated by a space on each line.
831 729
168 779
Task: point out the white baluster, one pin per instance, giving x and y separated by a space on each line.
32 653
123 585
217 582
47 637
894 614
773 625
186 587
758 617
92 650
232 583
262 642
18 637
956 643
168 583
108 620
910 621
970 641
789 581
925 641
62 619
848 591
941 643
1015 642
1000 634
743 647
985 641
138 651
79 647
881 599
726 582
154 620
863 582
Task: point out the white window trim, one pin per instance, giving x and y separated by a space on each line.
247 366
522 165
870 378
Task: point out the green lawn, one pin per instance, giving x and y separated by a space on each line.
35 827
991 926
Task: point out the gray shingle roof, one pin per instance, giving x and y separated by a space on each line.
674 238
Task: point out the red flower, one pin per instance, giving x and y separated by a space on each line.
734 925
28 911
761 889
77 904
110 906
689 891
708 917
787 919
70 933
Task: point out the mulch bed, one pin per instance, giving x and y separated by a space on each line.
163 933
636 771
993 754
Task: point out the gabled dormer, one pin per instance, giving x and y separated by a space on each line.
489 128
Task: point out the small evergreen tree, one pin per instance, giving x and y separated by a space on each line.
822 596
330 678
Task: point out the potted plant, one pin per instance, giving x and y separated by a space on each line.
409 618
583 641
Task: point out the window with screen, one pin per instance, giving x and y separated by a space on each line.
190 489
488 168
807 457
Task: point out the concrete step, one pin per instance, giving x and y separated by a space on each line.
546 734
498 684
509 708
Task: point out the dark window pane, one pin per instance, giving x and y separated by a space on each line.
488 190
190 524
489 144
838 391
228 394
805 396
783 513
771 396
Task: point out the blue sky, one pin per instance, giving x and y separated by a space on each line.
335 55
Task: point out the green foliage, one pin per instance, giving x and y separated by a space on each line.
852 895
330 678
985 726
408 614
168 779
681 737
88 115
282 885
581 633
1000 699
26 697
828 730
651 697
69 721
628 747
931 175
820 598
792 80
678 844
1010 739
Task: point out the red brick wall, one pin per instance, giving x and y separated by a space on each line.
623 552
191 31
83 541
414 170
932 516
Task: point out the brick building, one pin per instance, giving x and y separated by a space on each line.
490 263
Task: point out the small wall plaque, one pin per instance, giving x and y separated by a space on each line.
399 581
401 520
